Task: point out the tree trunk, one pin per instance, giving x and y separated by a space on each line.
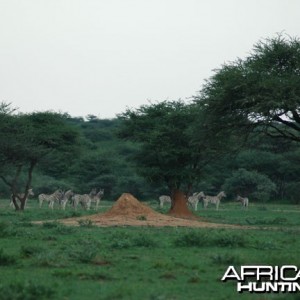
23 203
14 200
179 206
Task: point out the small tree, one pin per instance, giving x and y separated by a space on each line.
27 139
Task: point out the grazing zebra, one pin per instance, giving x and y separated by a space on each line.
65 199
96 198
244 201
164 199
20 195
194 200
55 197
213 199
84 200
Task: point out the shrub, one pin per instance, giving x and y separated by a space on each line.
31 250
26 291
84 251
144 241
230 239
59 227
10 230
6 259
225 259
192 239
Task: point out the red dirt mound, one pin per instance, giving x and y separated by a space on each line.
127 205
128 211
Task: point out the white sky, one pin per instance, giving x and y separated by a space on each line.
101 56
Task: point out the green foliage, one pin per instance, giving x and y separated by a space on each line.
171 151
193 239
226 259
250 183
26 140
231 240
84 251
26 291
6 259
203 239
260 91
31 250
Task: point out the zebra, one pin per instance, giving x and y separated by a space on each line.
96 198
244 201
56 196
67 195
194 199
213 199
21 195
164 199
85 199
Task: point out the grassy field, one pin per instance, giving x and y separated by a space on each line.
53 261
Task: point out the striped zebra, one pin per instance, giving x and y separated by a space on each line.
96 198
213 199
65 199
244 201
51 199
21 195
164 199
194 199
84 200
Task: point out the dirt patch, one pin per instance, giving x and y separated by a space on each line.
128 211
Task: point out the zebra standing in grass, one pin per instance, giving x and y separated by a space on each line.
65 199
213 199
51 199
164 199
96 198
194 199
21 195
244 201
84 200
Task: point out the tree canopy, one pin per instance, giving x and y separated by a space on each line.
261 91
27 139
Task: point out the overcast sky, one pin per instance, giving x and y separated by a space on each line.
101 56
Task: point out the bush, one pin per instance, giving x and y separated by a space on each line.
31 250
26 291
84 251
242 181
230 239
59 227
225 259
6 259
192 239
144 241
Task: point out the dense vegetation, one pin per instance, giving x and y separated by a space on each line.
264 167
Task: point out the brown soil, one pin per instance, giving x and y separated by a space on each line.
128 211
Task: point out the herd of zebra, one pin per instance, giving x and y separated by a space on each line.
62 198
196 197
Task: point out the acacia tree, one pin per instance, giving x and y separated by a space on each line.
262 91
27 139
169 150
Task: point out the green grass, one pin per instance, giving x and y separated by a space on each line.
54 261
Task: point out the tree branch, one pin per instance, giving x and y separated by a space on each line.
287 123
